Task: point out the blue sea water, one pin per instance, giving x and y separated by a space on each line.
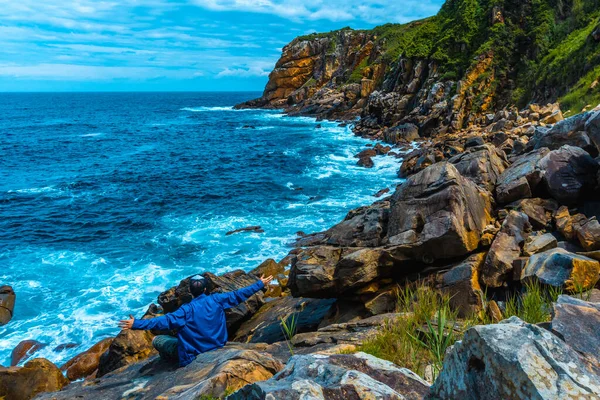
107 199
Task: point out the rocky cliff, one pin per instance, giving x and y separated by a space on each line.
447 72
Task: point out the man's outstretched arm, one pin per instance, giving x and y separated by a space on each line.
174 320
232 299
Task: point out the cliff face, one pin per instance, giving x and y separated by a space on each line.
314 74
447 72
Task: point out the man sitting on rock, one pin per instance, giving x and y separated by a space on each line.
200 324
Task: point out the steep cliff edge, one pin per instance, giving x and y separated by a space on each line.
447 72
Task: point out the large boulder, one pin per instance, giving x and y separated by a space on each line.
560 268
514 360
265 325
568 131
438 214
482 164
576 322
362 227
326 272
506 248
339 376
312 270
568 173
461 283
36 376
84 364
7 304
520 180
211 375
173 298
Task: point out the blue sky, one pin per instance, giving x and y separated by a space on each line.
106 45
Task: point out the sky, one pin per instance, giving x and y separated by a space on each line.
172 45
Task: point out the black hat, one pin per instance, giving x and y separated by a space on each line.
199 285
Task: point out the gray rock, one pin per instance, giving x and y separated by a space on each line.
401 134
265 325
482 164
362 227
514 360
340 376
438 214
540 243
568 173
212 373
506 247
568 131
576 322
520 180
560 268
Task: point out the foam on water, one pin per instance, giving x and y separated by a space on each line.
94 230
213 109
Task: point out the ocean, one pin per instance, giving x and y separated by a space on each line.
107 199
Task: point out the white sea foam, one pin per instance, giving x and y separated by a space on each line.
213 109
92 134
45 189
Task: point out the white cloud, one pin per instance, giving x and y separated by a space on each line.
179 39
255 68
377 11
73 72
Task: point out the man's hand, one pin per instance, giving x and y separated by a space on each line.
266 280
126 324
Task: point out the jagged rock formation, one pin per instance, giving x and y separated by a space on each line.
447 72
515 360
337 376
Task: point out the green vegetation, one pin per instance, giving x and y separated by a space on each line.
540 50
226 393
421 336
321 35
429 326
288 327
357 74
535 305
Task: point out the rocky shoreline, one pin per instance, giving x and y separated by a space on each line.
475 219
495 224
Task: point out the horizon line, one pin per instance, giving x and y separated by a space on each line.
129 91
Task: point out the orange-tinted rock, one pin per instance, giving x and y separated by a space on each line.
461 283
7 304
36 376
84 364
24 350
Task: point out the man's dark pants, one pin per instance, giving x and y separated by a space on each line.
167 347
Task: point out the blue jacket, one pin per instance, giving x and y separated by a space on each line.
200 324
